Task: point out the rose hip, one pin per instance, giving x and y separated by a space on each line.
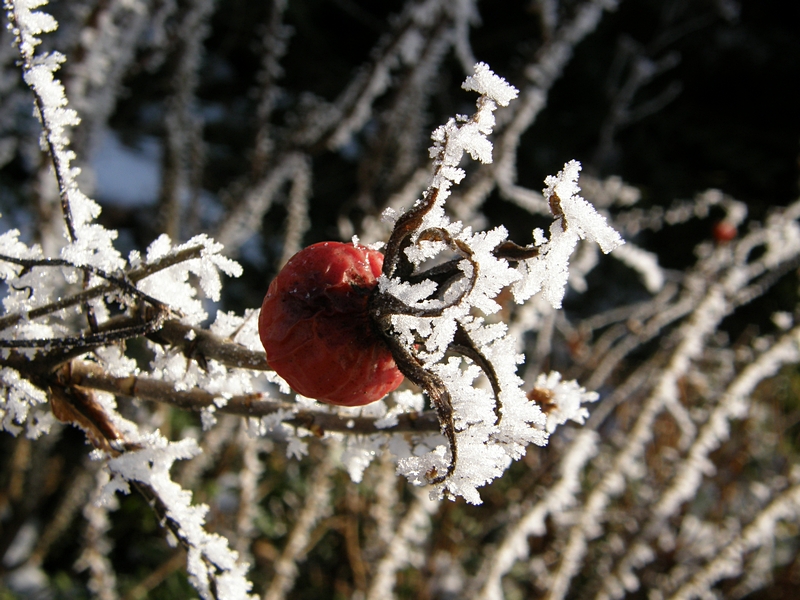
724 231
316 330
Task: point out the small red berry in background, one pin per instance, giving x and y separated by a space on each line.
724 231
316 330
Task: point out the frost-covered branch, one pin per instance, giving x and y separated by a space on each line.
402 550
424 317
49 98
213 567
245 219
183 156
253 405
733 405
276 127
542 73
315 508
560 496
90 243
758 533
132 276
589 525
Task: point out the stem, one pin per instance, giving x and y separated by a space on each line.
126 281
90 375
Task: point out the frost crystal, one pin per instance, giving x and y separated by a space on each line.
576 219
18 403
173 285
493 420
565 399
486 83
451 140
358 454
213 567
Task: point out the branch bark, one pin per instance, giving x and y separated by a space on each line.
89 375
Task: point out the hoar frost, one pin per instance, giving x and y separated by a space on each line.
492 426
214 569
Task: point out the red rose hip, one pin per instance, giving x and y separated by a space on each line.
724 231
316 331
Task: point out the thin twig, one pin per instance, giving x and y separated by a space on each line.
129 278
91 375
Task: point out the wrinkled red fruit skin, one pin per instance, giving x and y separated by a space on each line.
316 331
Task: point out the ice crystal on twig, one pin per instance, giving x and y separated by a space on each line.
487 426
83 330
213 567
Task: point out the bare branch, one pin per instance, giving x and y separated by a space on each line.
90 375
116 282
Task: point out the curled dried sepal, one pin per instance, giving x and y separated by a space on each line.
434 318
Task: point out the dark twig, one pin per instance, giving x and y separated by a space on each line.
196 342
53 145
90 375
120 282
127 280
